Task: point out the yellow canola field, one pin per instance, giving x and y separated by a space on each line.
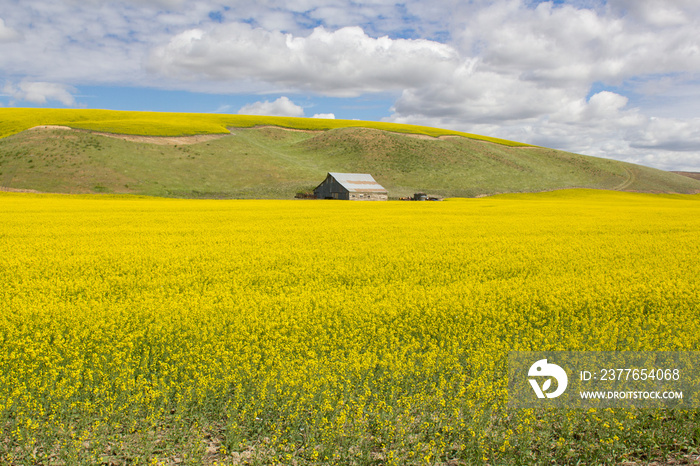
137 330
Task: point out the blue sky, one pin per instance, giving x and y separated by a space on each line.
616 78
372 107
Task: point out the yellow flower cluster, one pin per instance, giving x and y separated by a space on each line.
327 332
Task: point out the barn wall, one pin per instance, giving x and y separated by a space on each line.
329 186
369 197
322 190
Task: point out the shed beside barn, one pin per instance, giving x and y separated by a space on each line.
352 187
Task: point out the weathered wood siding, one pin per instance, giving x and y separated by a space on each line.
368 197
331 189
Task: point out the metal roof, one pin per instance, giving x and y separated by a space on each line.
358 182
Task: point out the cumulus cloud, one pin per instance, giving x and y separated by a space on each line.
325 116
280 107
575 46
41 92
668 134
345 62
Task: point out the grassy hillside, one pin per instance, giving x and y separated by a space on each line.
276 163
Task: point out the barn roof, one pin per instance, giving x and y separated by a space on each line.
358 182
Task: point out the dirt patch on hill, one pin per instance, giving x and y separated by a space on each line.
5 189
428 137
282 127
159 140
50 127
164 140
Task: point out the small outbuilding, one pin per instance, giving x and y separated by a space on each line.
352 187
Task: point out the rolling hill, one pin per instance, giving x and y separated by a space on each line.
236 156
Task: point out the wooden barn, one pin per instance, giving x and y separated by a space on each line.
351 187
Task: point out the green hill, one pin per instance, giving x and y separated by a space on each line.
235 157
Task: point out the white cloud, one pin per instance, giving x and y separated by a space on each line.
663 13
280 107
668 134
571 46
41 92
325 116
7 34
346 62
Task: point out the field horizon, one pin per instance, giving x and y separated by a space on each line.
240 156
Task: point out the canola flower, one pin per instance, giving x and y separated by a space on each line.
161 331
